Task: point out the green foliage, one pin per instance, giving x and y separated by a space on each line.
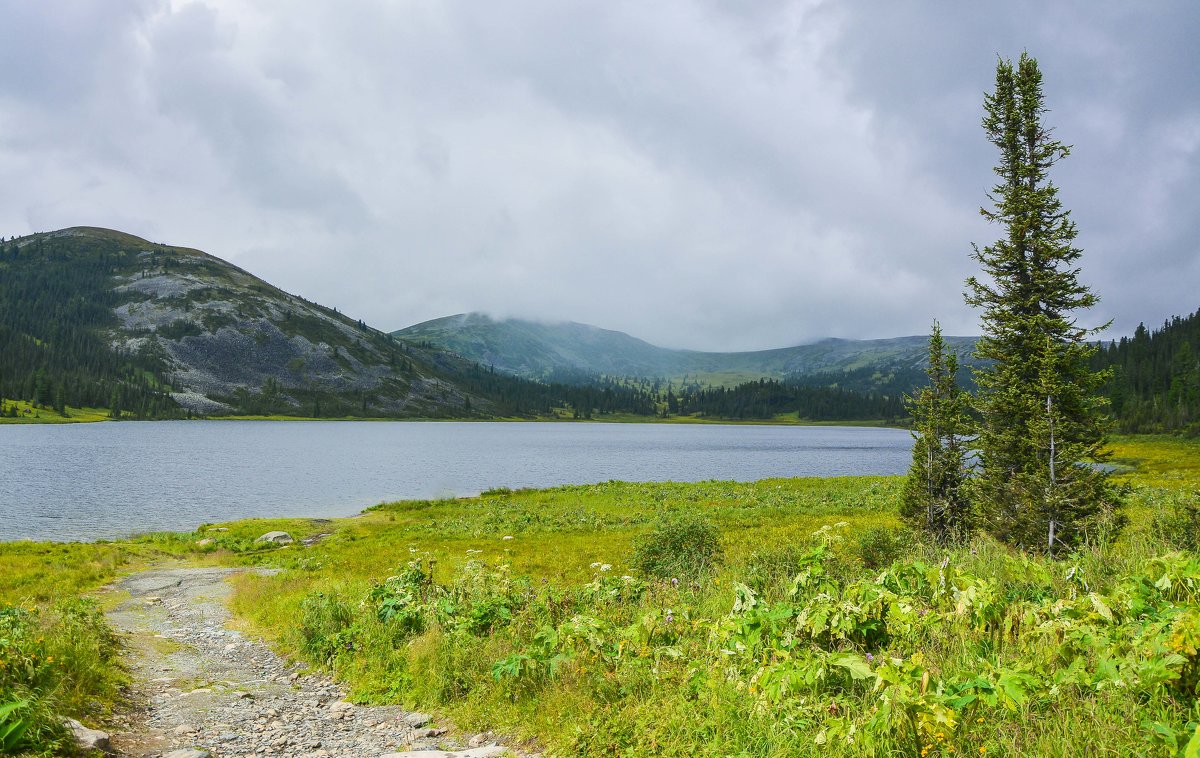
680 544
935 499
12 726
1042 420
54 663
1176 519
879 546
325 627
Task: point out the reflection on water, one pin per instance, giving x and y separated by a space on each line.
90 481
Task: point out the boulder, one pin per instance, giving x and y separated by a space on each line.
278 538
187 752
88 739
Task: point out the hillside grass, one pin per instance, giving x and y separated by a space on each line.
825 629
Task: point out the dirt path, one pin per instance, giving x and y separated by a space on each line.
211 691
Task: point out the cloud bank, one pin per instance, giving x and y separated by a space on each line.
705 174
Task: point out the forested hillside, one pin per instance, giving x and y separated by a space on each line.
56 303
1155 386
767 398
98 318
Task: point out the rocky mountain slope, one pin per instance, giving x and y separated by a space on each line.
93 316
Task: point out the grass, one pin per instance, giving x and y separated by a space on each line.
1159 460
515 624
27 413
825 631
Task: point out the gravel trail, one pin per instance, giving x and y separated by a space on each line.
211 691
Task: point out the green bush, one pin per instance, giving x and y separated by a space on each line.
1176 520
680 545
325 626
879 546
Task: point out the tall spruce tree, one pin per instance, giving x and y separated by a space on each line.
1042 423
935 499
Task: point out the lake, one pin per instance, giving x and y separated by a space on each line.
106 480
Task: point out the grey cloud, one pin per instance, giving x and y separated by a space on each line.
705 174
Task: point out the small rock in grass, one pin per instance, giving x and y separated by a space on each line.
417 720
480 739
88 739
278 538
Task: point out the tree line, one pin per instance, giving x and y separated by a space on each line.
56 305
1154 379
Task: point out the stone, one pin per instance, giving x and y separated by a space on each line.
341 706
88 739
490 751
417 720
480 739
187 752
183 729
278 538
204 542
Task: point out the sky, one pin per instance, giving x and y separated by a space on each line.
711 174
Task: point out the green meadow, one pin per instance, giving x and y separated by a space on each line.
776 618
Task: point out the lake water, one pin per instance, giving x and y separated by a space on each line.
92 481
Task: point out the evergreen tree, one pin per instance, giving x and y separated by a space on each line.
1042 422
935 499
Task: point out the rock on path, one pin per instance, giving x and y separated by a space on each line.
208 690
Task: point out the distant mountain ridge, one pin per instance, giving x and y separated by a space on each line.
539 350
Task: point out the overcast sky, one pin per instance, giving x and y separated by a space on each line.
710 174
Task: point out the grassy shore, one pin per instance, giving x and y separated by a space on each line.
824 629
26 413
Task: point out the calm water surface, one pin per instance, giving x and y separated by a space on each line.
91 481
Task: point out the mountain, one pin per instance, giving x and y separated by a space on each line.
539 350
92 317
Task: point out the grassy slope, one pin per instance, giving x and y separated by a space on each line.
610 698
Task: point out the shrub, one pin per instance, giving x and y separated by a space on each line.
773 568
324 626
1176 520
680 544
879 546
401 599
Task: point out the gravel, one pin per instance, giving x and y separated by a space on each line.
213 691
